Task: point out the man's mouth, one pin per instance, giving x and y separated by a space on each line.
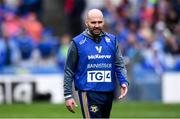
97 30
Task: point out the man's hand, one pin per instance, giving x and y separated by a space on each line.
124 90
70 104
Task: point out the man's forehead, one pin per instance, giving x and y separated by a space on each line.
95 14
91 19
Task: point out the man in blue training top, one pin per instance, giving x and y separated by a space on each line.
94 62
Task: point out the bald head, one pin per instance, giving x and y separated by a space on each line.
93 13
95 21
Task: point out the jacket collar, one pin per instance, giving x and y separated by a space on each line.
95 39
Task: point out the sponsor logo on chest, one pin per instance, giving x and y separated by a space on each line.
98 56
98 76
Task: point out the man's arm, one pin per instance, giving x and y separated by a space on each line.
120 66
121 72
69 70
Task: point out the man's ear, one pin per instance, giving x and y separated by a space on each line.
103 22
86 23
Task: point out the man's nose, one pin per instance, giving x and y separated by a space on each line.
97 25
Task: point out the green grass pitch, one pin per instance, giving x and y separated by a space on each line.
119 110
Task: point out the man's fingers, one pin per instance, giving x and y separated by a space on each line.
121 96
75 104
72 111
123 92
70 104
70 108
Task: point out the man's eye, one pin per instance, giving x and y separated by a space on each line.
93 22
99 22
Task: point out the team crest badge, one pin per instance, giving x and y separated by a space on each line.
107 39
93 108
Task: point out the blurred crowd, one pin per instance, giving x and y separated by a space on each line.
26 45
148 32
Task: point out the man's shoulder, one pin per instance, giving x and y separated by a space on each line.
78 36
110 35
79 39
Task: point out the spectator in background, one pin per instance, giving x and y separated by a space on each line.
11 24
176 6
26 47
147 11
177 37
10 6
74 10
63 49
33 27
123 10
110 15
28 6
171 18
47 48
9 50
2 51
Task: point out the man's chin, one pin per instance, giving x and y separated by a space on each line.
97 33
